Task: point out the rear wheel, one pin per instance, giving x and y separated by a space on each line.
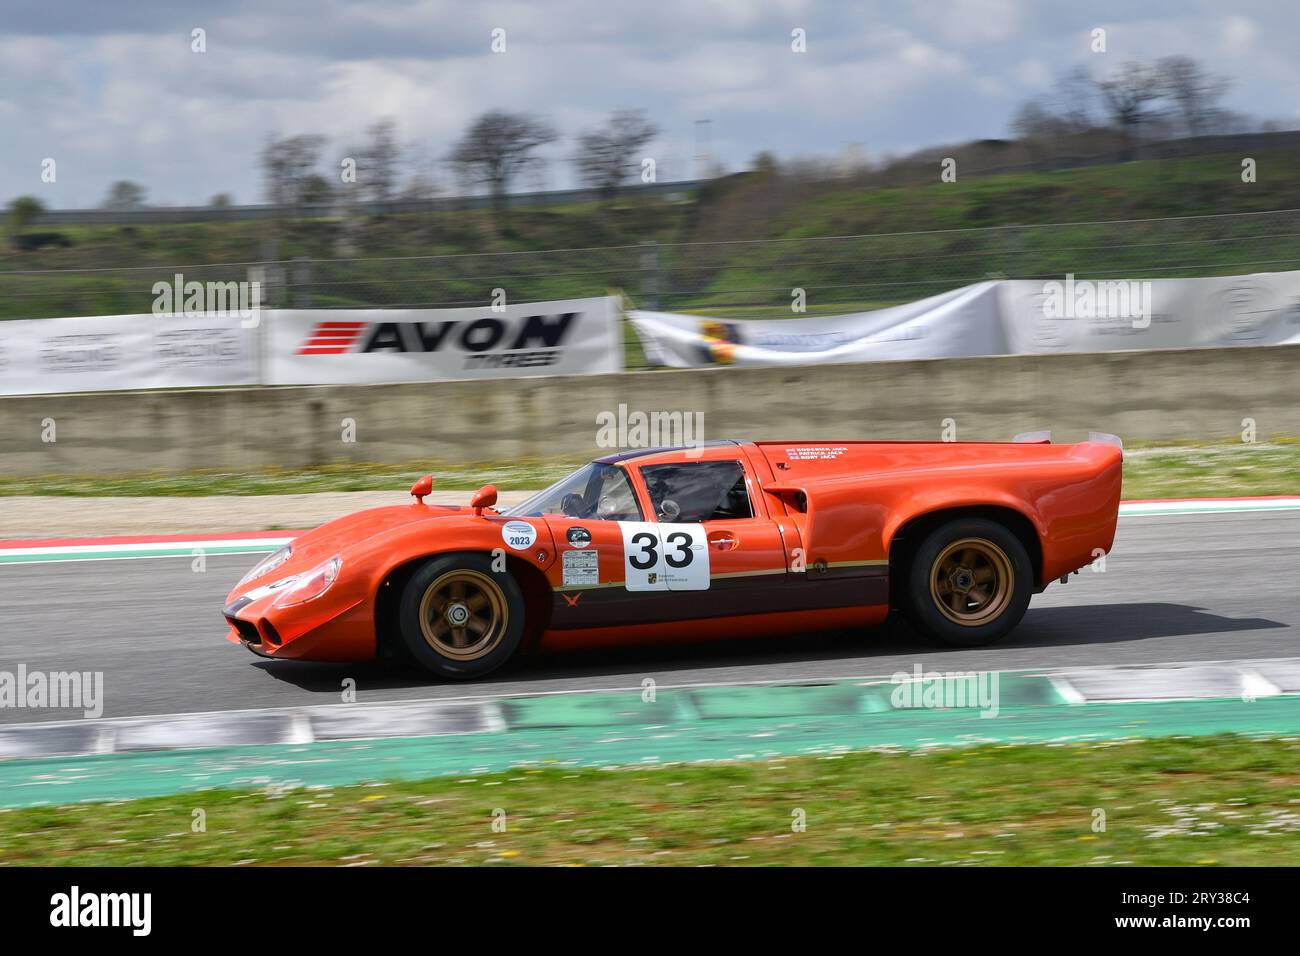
969 582
459 618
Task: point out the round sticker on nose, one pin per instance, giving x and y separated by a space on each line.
518 534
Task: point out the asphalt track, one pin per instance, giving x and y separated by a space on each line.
1176 588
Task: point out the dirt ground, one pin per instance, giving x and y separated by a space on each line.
68 517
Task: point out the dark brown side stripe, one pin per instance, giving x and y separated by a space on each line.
610 606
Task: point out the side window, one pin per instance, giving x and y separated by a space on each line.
614 498
698 491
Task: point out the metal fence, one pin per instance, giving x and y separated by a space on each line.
155 215
741 278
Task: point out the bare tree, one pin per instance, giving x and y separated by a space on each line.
23 211
765 164
1034 120
1194 92
124 194
421 184
289 165
380 160
496 148
606 157
1075 98
1128 95
317 189
1046 124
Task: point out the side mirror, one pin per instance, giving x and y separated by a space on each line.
485 497
421 488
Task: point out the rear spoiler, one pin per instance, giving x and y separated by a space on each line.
1034 438
1106 438
1045 438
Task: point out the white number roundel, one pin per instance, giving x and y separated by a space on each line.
519 535
664 557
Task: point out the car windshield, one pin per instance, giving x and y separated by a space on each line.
596 492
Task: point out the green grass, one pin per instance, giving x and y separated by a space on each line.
1157 471
514 475
1208 471
922 239
1220 800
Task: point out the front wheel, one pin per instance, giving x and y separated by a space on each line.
969 583
459 618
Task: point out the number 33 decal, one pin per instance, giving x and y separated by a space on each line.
661 557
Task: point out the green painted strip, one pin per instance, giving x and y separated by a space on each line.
1013 690
594 710
126 776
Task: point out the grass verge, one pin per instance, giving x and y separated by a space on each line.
521 473
1209 471
1217 800
1174 471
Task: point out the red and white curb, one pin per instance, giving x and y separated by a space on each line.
36 550
1206 506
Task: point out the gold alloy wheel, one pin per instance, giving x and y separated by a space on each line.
971 581
463 614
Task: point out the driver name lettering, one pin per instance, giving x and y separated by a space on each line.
815 452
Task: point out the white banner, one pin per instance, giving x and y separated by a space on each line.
1007 317
111 352
339 346
1100 316
962 322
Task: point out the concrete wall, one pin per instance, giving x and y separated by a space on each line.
1166 395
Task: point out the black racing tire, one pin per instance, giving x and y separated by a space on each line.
969 583
461 588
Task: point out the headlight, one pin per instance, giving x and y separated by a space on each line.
267 565
311 584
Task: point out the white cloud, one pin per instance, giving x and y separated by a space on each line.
118 94
1238 35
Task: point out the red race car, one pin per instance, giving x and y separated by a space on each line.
729 538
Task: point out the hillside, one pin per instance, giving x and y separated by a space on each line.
707 257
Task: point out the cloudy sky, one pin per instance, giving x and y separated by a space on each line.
112 90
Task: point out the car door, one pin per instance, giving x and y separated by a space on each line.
711 543
588 515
